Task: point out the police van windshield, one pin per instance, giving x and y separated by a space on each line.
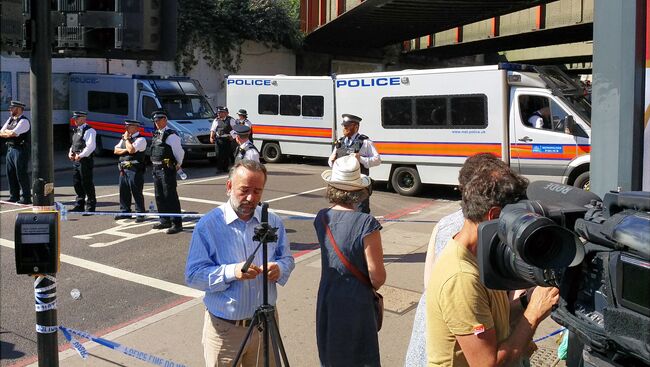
581 106
186 107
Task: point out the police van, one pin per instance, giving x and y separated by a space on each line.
425 123
110 99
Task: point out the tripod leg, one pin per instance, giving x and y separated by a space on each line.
252 327
277 340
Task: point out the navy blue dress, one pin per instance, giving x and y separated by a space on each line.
346 324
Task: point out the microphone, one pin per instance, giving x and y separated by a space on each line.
553 192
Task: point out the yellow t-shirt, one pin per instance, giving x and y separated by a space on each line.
459 304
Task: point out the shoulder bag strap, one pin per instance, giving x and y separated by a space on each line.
351 268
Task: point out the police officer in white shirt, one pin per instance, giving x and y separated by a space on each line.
246 149
131 149
358 144
16 132
81 154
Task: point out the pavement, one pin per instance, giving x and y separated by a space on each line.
174 333
62 163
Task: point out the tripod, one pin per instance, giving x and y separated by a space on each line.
264 317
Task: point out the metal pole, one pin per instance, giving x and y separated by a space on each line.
42 168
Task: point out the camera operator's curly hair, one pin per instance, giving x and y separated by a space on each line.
343 197
494 185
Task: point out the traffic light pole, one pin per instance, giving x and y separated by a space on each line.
40 80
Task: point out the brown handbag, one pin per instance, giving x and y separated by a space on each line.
379 299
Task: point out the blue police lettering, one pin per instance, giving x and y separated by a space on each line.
84 80
263 82
368 82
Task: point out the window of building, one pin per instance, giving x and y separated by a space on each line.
313 106
267 104
108 102
290 105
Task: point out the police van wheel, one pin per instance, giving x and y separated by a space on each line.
271 152
582 181
406 181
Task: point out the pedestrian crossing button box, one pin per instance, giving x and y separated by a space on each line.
37 243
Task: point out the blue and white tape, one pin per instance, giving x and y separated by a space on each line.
550 335
143 356
40 294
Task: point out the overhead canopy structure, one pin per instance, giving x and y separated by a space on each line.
377 23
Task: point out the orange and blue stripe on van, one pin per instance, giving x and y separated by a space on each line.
522 151
114 127
298 131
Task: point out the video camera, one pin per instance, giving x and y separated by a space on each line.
597 252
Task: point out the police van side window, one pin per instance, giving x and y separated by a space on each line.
148 106
290 105
313 106
267 104
108 102
442 112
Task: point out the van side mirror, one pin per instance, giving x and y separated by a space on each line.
573 128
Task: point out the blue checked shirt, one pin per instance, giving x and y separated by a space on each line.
220 241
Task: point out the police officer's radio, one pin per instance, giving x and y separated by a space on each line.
37 243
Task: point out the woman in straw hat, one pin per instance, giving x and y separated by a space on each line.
352 263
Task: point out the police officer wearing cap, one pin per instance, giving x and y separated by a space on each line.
245 149
242 119
131 150
220 134
81 154
17 136
358 144
166 157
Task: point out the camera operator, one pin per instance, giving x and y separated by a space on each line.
220 244
467 323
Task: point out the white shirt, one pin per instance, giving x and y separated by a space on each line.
215 123
368 155
251 154
536 121
21 128
174 141
246 122
89 138
140 144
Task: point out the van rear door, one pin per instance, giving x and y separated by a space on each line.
540 152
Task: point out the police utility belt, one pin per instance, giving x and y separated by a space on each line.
127 164
13 144
168 163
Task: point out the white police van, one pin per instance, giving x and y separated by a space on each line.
110 99
425 123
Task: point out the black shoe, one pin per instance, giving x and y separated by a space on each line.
123 216
174 230
25 201
77 209
13 200
161 225
140 219
88 211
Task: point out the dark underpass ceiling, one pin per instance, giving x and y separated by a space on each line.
377 23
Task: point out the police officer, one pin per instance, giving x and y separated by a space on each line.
17 136
358 144
81 154
242 119
245 149
220 133
131 150
166 157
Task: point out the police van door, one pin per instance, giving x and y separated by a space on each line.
541 146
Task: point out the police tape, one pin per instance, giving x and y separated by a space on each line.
69 335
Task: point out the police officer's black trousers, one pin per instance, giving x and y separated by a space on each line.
82 178
131 184
224 153
164 182
17 158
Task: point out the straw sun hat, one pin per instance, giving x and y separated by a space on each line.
345 175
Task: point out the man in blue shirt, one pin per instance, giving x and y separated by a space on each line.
221 243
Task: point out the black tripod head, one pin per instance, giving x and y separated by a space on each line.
264 233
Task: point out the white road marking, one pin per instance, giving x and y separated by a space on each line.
294 195
170 287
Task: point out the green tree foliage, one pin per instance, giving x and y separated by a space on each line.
218 29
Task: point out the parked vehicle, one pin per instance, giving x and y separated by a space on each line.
110 99
425 123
